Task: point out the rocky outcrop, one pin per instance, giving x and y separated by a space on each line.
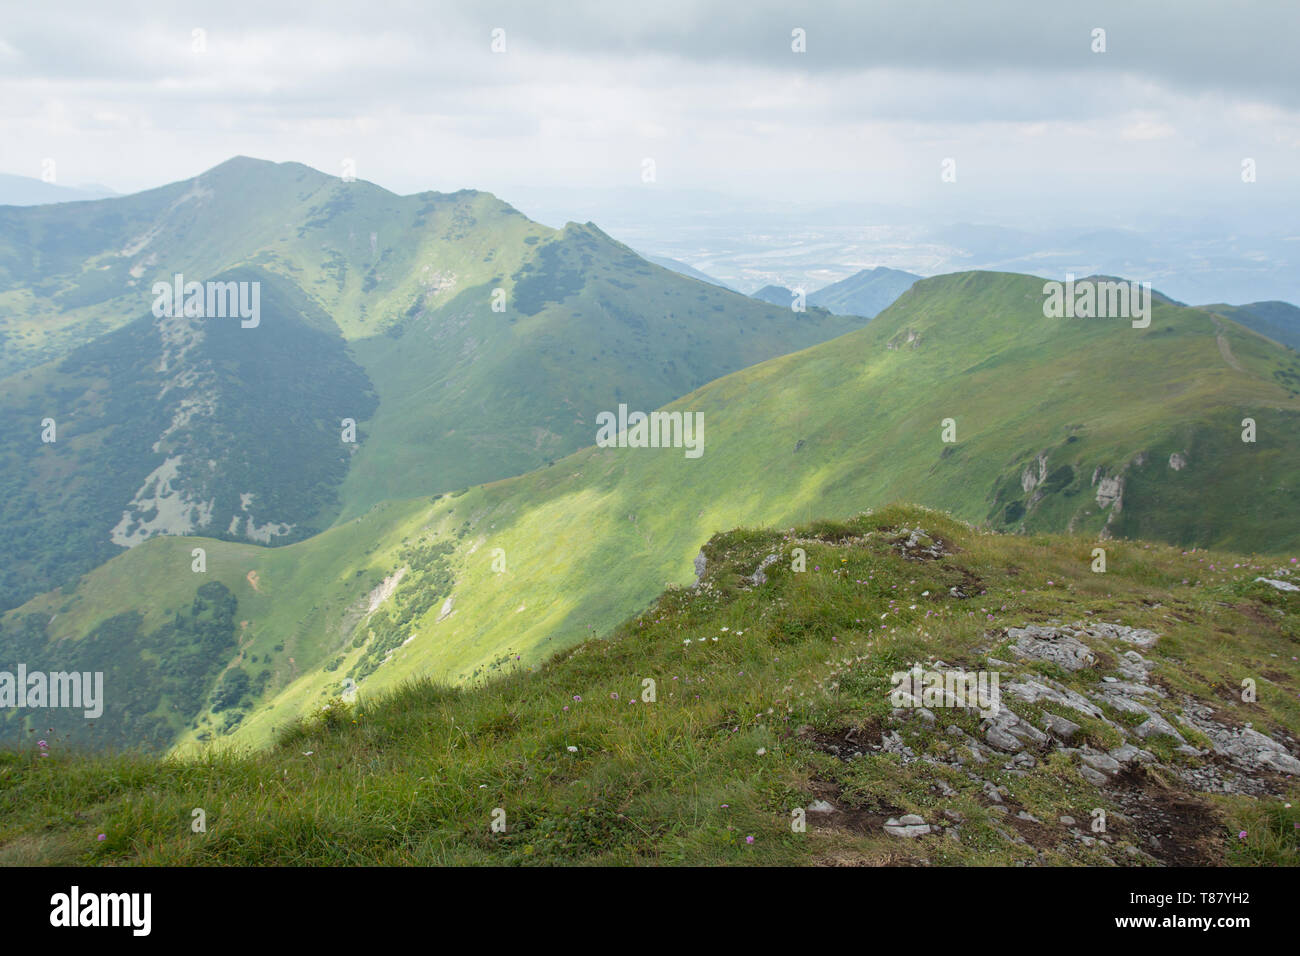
758 577
1029 480
1110 491
1039 717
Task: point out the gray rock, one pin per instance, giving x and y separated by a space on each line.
1100 761
1035 690
1009 733
1050 644
1002 740
1065 729
1279 585
1127 754
1094 777
701 562
1256 751
758 577
821 806
1067 821
908 831
911 820
1119 632
1155 725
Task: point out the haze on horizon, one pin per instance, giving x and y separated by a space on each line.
1044 133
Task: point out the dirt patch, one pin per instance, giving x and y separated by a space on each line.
253 581
846 744
970 584
1175 827
865 821
1255 613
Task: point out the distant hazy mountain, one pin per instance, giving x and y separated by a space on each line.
1280 321
866 293
774 295
683 269
26 191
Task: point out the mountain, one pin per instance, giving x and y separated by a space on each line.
865 293
1089 426
1280 321
774 295
759 717
460 341
683 269
26 191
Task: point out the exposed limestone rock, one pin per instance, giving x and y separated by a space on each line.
1065 729
384 590
1110 491
758 577
1279 585
1007 732
908 826
1050 644
1244 746
1044 689
1177 461
1029 480
1119 632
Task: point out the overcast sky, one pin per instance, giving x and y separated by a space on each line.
712 92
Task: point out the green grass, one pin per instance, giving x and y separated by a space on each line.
832 429
398 334
414 776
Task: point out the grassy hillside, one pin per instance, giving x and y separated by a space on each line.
1093 411
176 425
1280 321
749 721
466 342
293 606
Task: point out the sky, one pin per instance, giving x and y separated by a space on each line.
583 94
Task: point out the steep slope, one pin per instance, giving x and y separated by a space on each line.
1082 424
759 719
465 344
176 425
469 395
866 293
1280 321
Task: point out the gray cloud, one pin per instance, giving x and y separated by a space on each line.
709 89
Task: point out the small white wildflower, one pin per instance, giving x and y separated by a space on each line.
760 751
573 750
